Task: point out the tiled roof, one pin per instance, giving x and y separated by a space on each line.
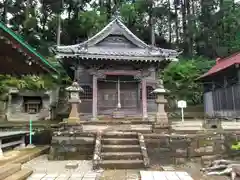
222 64
31 50
91 48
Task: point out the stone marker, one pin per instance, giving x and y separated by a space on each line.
71 165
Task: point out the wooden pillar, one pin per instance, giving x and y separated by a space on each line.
238 72
95 96
144 99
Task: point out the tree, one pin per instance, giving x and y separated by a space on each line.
180 79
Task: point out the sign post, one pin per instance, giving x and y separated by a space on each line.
182 104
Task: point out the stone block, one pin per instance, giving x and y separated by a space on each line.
180 160
71 165
208 159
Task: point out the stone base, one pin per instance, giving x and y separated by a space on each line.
94 119
72 121
215 124
161 118
69 145
161 128
118 114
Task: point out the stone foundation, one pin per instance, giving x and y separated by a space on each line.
72 146
75 143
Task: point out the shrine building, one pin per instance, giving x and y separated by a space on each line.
221 88
117 71
19 58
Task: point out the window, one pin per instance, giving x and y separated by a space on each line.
150 95
32 105
87 94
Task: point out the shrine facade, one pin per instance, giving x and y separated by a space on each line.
116 70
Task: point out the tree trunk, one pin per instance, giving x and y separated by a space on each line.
184 25
169 22
109 9
151 24
176 22
189 29
4 15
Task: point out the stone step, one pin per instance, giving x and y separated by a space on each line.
121 164
120 141
119 134
121 148
8 170
142 130
20 175
121 155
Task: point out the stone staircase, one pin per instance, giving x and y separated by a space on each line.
120 150
14 172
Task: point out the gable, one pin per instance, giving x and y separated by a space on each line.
116 41
115 28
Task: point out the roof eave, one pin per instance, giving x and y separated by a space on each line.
46 65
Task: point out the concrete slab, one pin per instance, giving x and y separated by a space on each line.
56 170
38 175
51 175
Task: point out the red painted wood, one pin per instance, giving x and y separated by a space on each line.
95 95
144 99
122 72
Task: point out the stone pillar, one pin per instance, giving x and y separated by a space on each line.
161 120
144 99
95 98
161 115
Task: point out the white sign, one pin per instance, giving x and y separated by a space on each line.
182 104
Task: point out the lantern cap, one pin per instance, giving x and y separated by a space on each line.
74 87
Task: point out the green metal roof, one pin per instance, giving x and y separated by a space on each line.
27 46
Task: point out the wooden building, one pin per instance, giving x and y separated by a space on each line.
221 88
19 58
117 71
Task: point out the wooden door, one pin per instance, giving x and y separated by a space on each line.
128 95
107 96
129 98
108 99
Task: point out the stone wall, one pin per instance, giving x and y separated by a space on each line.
66 146
178 148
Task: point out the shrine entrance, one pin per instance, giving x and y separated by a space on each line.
118 92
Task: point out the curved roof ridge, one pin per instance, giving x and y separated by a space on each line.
107 30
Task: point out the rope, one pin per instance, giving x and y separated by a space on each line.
119 81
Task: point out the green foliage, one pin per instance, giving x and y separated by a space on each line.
29 82
236 146
180 79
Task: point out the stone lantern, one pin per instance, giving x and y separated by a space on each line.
74 100
161 119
